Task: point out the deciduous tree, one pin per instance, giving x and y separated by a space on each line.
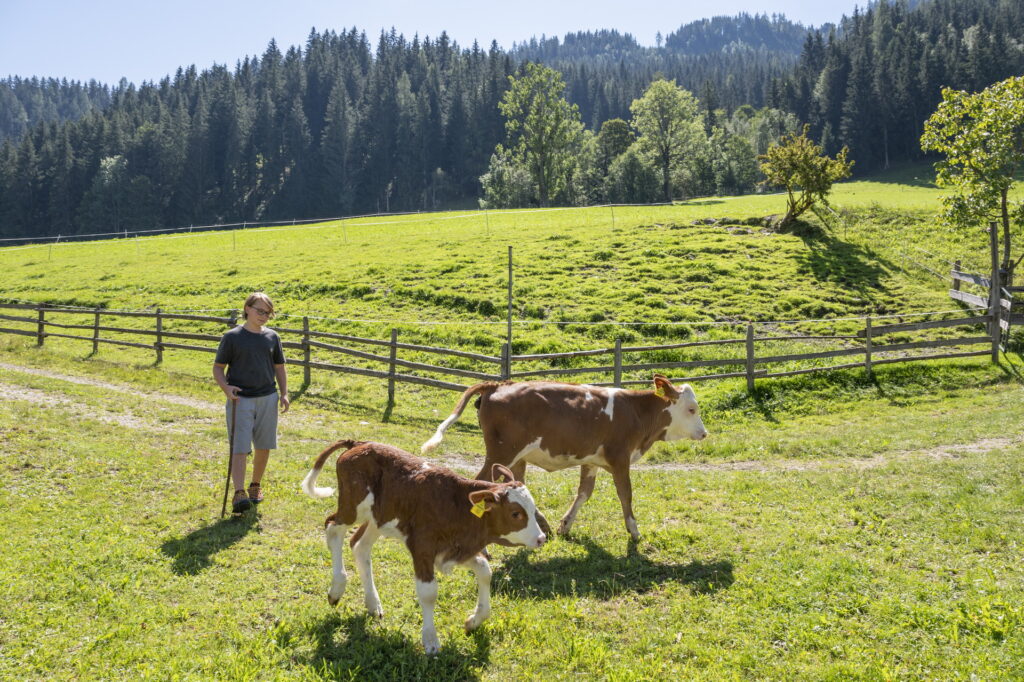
799 165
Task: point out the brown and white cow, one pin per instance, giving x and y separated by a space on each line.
556 426
444 519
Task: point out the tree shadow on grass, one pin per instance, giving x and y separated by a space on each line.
192 553
603 575
355 647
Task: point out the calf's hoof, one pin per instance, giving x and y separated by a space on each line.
474 621
431 647
332 600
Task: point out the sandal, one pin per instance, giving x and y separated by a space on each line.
240 502
255 493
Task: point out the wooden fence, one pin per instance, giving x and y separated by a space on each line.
379 358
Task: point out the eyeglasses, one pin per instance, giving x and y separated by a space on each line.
259 311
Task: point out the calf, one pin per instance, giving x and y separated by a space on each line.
444 519
556 426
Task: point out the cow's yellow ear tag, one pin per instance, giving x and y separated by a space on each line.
479 508
660 391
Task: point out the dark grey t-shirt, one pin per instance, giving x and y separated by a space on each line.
250 358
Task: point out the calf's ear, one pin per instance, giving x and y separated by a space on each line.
498 471
483 501
664 389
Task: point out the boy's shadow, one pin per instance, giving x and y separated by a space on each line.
192 552
603 575
355 647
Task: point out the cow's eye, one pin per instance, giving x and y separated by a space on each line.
693 410
517 515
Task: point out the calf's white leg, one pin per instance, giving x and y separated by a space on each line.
361 551
335 535
426 594
482 570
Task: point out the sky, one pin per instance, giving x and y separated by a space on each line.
144 40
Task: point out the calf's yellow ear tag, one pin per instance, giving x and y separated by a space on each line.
479 508
659 391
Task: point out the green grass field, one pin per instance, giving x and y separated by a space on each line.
835 526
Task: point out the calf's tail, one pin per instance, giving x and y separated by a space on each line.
435 440
309 482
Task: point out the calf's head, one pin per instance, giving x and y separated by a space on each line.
508 510
683 410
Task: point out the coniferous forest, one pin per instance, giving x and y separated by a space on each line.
346 124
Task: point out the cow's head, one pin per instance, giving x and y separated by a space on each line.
681 404
508 510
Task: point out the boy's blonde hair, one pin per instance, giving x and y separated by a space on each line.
258 297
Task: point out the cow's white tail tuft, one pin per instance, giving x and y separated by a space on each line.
435 440
309 487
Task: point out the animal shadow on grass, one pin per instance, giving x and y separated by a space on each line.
355 647
603 575
192 552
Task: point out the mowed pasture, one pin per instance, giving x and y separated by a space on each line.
834 526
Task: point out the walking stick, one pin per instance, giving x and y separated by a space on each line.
231 447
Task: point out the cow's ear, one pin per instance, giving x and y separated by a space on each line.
502 474
483 501
664 389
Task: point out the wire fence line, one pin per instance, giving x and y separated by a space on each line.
758 356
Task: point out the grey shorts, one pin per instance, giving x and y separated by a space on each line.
256 423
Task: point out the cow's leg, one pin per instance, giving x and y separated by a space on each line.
624 488
482 570
426 594
335 534
361 547
588 474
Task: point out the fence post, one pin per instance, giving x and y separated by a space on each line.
995 290
612 207
96 333
305 351
159 337
956 268
40 334
618 363
391 367
506 361
867 347
750 357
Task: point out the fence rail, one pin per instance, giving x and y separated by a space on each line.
746 363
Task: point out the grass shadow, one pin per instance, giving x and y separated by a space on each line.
355 647
295 396
192 553
830 259
603 575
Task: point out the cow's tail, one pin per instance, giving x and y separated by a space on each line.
486 387
309 482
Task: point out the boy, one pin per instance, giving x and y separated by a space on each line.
254 358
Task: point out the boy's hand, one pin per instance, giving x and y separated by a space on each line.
232 392
284 403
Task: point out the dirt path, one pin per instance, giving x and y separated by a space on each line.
452 460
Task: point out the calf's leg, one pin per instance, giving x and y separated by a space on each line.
624 488
588 475
426 594
482 570
362 544
335 535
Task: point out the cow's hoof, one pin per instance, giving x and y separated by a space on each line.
333 601
375 610
432 647
564 528
474 621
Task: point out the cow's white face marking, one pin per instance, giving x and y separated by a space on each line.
685 415
531 535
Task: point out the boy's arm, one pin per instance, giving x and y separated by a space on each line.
222 381
282 381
